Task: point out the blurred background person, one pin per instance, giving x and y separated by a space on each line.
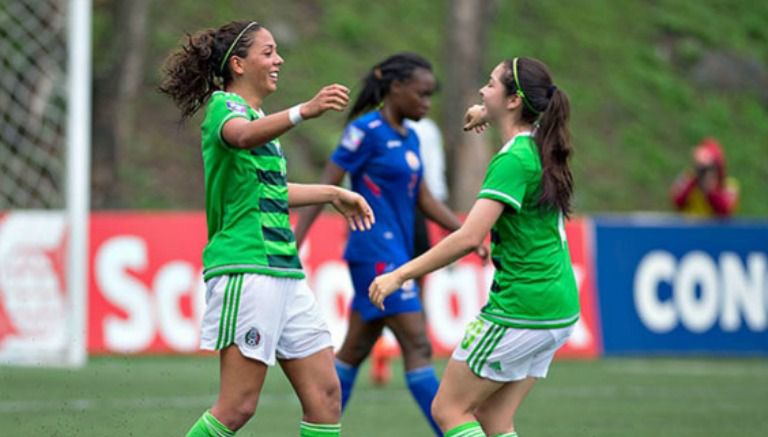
706 190
433 161
381 155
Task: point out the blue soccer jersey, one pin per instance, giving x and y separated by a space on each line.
385 168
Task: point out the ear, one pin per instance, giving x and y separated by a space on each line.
513 102
395 87
236 65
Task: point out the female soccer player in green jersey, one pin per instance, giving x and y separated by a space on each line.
533 301
259 309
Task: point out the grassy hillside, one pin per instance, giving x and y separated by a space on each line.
642 91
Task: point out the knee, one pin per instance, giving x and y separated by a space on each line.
235 415
325 405
417 347
441 412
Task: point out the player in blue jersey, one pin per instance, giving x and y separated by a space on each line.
381 156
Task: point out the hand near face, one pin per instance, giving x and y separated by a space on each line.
476 118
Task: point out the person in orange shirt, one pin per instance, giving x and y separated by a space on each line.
706 191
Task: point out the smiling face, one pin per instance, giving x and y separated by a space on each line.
413 97
261 67
495 98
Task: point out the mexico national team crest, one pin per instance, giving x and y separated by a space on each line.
413 160
252 337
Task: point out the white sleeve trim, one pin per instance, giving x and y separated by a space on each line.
502 195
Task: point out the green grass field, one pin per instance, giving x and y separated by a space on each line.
162 396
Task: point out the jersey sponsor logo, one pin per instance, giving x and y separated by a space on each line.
391 144
413 160
236 107
252 337
353 136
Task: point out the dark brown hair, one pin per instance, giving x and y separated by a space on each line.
547 107
194 71
376 84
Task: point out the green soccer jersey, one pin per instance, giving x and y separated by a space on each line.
533 286
246 200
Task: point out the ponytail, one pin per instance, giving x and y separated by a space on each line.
377 82
547 107
554 142
200 66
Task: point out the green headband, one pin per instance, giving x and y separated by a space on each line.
520 91
234 43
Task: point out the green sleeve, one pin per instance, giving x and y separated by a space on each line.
505 181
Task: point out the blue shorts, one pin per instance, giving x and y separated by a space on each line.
404 300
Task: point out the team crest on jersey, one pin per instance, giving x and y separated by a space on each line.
353 136
236 107
413 160
252 337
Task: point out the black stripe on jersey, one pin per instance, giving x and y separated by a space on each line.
273 205
284 261
496 262
495 239
269 149
272 177
277 234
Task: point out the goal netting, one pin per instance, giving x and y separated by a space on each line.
44 168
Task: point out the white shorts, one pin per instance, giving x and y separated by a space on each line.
504 354
266 317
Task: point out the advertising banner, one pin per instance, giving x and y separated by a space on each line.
672 286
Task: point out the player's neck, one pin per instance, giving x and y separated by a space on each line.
251 96
509 129
394 120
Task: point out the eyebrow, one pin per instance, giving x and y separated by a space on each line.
269 46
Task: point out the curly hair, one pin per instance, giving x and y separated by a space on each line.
198 68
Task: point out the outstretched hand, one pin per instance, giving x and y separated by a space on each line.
476 118
382 286
335 97
355 210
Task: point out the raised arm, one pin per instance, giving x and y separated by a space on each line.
470 235
243 134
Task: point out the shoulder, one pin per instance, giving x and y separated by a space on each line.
227 102
361 129
521 152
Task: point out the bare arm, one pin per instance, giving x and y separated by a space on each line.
479 222
351 205
333 175
243 134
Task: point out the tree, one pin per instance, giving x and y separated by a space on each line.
468 153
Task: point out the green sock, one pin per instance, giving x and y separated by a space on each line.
209 426
469 429
319 429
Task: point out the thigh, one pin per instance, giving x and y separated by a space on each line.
496 414
410 329
241 380
461 392
316 384
359 340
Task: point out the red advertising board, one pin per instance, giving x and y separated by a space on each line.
146 293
